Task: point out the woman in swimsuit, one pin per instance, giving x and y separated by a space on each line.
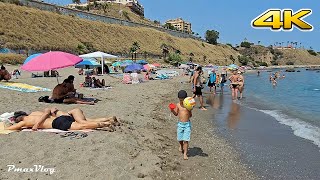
234 84
241 83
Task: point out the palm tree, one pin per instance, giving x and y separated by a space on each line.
134 48
259 42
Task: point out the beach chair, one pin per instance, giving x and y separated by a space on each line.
126 79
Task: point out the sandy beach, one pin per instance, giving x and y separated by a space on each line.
144 146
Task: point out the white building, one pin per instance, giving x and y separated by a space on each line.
134 5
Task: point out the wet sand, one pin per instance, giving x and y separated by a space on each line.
270 148
143 147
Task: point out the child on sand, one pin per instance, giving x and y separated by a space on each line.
184 124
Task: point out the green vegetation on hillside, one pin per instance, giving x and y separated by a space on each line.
212 37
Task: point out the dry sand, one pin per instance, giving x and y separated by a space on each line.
144 146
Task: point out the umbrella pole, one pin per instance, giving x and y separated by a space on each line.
57 79
102 64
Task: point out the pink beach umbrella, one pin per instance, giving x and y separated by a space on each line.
51 61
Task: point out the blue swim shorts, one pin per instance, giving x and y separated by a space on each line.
183 131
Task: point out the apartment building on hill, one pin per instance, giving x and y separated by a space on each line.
181 25
134 5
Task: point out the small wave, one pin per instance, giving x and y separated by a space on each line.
316 89
299 127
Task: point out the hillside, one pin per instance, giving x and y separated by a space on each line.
268 55
119 11
28 28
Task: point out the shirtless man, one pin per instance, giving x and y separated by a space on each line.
4 74
61 94
234 84
53 118
184 125
197 86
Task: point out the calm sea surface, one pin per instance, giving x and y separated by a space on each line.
295 101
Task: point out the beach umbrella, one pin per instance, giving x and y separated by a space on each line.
88 63
101 55
148 66
52 60
142 62
156 64
128 61
133 67
116 64
233 66
31 57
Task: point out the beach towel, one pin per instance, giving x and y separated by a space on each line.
126 79
22 87
57 130
103 88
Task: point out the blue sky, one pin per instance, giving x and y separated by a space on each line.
232 18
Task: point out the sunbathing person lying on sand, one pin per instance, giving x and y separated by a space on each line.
53 118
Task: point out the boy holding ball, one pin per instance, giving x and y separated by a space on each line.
184 124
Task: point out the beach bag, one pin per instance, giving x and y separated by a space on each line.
44 99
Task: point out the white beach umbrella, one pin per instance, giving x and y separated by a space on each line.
101 55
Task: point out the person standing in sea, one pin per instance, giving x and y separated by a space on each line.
234 84
241 84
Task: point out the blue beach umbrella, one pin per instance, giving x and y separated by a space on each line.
128 61
115 64
143 62
133 67
233 66
31 57
88 63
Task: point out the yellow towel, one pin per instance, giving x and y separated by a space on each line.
21 85
2 130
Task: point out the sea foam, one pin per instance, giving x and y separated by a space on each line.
300 128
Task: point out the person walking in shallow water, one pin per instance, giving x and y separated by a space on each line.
197 86
241 84
234 85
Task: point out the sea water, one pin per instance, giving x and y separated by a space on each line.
294 101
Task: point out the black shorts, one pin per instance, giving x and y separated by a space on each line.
198 91
62 122
234 85
211 84
59 101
